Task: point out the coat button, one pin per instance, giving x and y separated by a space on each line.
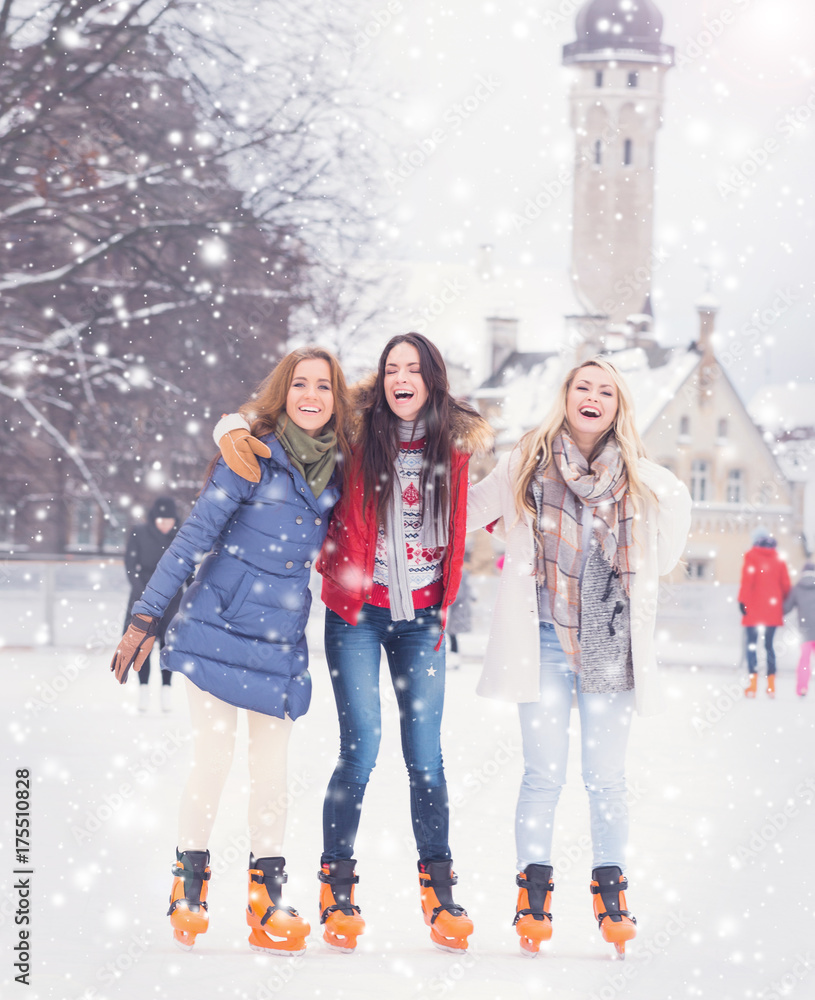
302 489
318 520
298 520
308 564
289 565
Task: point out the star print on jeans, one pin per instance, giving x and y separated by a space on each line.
431 671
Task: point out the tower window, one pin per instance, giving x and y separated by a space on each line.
634 79
598 78
598 152
684 428
628 149
721 431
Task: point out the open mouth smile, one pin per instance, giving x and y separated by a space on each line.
309 409
589 411
403 394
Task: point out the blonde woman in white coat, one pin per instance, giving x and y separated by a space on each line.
590 525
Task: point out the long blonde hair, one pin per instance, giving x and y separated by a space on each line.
536 445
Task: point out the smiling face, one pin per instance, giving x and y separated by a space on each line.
591 405
310 400
404 386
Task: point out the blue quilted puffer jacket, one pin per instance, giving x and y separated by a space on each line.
239 632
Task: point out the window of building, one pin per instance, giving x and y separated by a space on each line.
628 152
698 569
700 486
735 486
684 428
598 78
114 539
721 430
82 516
633 79
598 152
8 517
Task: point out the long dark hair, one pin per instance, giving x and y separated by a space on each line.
379 433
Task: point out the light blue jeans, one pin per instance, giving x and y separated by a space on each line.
604 726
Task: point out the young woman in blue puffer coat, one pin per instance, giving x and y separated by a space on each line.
239 636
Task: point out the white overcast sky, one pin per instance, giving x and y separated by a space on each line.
728 101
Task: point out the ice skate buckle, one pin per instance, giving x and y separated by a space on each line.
442 883
616 914
349 909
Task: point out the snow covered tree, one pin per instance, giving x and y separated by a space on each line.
177 195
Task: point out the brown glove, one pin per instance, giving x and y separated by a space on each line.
134 646
239 449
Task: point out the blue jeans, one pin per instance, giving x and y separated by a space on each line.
752 642
417 673
604 725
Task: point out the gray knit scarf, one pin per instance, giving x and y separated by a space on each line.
431 535
560 491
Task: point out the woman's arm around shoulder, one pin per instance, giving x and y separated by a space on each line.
487 499
674 512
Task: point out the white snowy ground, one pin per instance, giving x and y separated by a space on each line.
722 824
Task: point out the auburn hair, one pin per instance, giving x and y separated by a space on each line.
268 402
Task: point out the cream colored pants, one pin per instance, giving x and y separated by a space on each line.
214 725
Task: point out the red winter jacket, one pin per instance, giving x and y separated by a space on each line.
765 583
347 557
346 561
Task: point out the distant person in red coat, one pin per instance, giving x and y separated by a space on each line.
765 583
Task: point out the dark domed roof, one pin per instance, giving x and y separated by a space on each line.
630 26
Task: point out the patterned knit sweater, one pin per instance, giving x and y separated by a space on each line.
424 565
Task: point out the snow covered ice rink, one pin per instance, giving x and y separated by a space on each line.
722 827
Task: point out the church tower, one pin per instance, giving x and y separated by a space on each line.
619 64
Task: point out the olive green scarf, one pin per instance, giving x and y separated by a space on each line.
313 457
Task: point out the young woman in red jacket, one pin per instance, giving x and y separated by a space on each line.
391 567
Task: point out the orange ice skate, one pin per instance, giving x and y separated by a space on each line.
274 927
449 924
341 919
189 913
616 924
533 921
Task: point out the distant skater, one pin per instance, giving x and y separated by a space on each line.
802 598
765 584
146 545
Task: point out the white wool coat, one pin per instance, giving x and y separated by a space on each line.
511 669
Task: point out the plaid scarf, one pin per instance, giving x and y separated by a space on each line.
561 490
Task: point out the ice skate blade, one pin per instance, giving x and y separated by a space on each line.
184 945
338 949
263 941
620 949
451 948
285 952
527 952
